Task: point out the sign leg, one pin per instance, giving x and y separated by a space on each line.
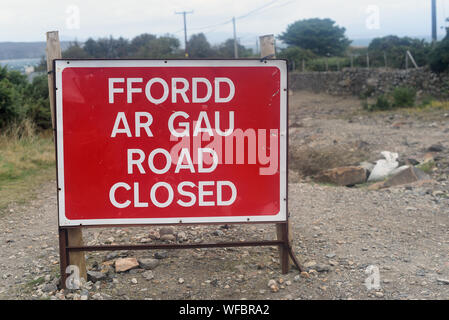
63 256
75 239
286 254
282 232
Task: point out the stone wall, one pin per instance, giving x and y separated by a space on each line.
377 81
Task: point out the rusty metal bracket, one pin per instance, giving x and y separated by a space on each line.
65 248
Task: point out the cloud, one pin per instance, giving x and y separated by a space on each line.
31 19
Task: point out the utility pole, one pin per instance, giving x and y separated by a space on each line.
184 13
257 46
434 20
236 52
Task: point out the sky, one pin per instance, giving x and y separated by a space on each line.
28 20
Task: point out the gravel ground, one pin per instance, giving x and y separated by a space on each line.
341 235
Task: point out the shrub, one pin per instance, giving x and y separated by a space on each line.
38 104
333 64
404 97
395 48
382 103
20 100
295 56
439 56
10 100
401 97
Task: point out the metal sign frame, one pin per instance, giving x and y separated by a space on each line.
283 241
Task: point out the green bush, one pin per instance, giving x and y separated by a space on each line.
382 103
439 56
395 48
333 64
10 101
404 97
295 56
401 97
38 104
20 100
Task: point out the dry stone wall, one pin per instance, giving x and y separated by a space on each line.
375 81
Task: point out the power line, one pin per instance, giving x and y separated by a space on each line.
210 28
215 26
257 9
212 25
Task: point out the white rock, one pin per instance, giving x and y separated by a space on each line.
384 167
272 283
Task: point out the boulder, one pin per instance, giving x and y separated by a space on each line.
125 264
148 263
166 230
168 237
343 176
436 148
95 276
409 175
406 176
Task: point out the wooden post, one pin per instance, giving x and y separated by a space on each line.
409 54
268 49
75 235
53 52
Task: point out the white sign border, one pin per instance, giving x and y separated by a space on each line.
61 64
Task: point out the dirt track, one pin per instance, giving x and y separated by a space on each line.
337 231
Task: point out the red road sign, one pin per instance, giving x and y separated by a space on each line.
177 141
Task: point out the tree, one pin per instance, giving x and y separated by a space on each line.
161 47
226 50
75 51
38 103
107 48
439 56
395 48
140 41
321 36
199 47
11 96
295 56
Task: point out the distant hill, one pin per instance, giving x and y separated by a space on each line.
25 50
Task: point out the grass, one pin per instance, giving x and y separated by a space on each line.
309 161
35 282
427 167
429 109
400 97
27 159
